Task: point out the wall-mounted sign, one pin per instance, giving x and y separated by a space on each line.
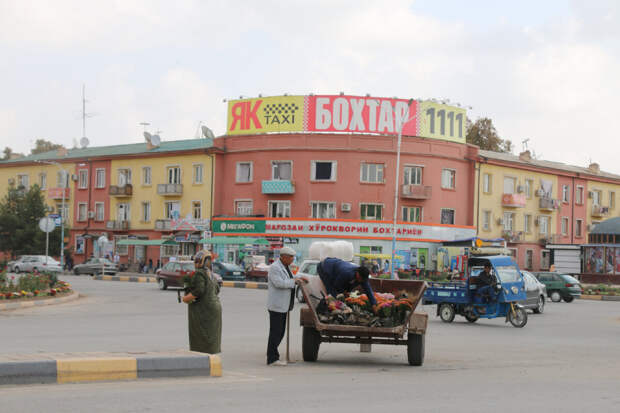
346 114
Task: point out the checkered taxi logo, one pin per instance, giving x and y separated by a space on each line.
280 113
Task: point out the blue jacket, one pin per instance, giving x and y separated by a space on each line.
338 276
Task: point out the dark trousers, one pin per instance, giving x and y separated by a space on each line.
277 327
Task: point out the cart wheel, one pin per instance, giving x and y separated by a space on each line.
415 349
540 307
472 318
162 284
556 297
518 318
446 313
300 295
310 343
569 299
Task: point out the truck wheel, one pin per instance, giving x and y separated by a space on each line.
569 299
446 313
555 296
310 343
518 318
415 349
162 284
471 318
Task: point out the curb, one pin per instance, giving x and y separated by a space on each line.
245 284
37 303
89 367
600 297
128 278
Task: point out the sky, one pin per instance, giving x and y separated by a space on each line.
547 71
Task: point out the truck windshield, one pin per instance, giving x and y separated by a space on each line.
508 274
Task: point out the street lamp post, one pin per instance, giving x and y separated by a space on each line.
65 174
401 125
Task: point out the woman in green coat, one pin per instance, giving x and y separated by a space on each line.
204 308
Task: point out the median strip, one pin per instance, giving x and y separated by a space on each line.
230 284
19 304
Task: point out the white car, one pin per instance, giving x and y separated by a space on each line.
308 269
29 263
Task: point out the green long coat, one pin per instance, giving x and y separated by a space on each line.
205 314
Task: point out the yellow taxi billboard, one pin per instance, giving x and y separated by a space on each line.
265 114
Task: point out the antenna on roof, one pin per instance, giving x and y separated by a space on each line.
206 132
155 140
84 142
147 136
524 143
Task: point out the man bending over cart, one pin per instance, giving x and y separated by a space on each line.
340 276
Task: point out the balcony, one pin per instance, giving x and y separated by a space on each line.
163 225
120 191
170 189
513 200
56 193
513 236
416 191
599 211
114 225
550 239
278 186
548 204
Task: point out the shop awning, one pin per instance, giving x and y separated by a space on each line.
146 242
379 256
234 241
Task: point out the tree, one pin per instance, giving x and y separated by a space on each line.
483 134
20 212
41 145
9 154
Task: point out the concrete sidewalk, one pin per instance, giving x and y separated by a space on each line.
87 367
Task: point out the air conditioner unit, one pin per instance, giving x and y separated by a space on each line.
345 207
500 221
91 214
540 192
74 178
520 189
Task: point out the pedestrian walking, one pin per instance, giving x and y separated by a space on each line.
204 311
150 265
280 300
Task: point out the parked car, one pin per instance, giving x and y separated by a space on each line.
535 292
560 286
172 274
96 266
229 271
308 269
29 263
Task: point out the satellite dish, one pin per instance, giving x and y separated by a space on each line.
207 133
84 142
155 140
147 136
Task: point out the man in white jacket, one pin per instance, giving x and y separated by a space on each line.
280 300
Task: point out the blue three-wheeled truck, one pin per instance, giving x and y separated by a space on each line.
470 299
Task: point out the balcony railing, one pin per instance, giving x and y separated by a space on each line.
278 186
416 191
170 189
513 200
548 204
550 239
125 190
56 193
513 236
163 224
599 211
114 225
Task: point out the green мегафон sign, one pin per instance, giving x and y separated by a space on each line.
236 226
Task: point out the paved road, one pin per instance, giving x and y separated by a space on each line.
567 359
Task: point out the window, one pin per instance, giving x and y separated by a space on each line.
543 224
282 170
279 209
146 175
513 253
596 197
565 193
578 227
323 209
509 218
323 171
82 211
174 174
100 178
146 212
43 180
527 223
510 185
412 214
198 173
124 177
447 216
544 259
564 225
23 180
413 175
529 184
486 220
63 212
244 172
371 172
62 179
123 212
529 259
99 211
197 209
448 178
168 250
172 210
612 199
121 249
371 211
243 208
486 183
83 178
579 195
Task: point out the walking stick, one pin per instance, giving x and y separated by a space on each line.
288 327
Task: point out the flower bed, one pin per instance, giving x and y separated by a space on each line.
30 286
601 289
